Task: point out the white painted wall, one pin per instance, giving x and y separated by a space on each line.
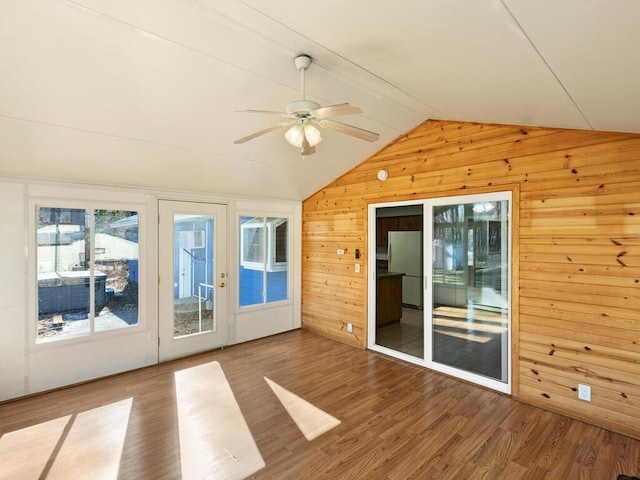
27 367
13 261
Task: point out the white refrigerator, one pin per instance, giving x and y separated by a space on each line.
405 256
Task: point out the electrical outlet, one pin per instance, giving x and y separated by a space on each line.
340 251
349 328
584 392
357 268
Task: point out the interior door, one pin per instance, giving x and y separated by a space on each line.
192 286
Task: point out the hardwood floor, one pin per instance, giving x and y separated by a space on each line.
370 417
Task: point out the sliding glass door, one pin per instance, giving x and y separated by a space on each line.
465 315
468 313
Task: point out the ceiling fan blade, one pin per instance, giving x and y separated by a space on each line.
307 149
262 132
335 110
269 112
349 130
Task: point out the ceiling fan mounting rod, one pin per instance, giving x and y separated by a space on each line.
302 106
302 63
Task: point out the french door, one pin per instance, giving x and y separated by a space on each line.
192 287
463 326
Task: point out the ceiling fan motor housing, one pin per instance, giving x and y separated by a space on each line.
302 106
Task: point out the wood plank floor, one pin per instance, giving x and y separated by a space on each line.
391 420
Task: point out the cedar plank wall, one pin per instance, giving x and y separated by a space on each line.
576 262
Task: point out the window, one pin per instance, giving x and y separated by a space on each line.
264 251
87 271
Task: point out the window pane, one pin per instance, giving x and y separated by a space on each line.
64 281
253 240
116 269
252 261
278 268
281 242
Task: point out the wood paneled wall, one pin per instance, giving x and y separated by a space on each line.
576 317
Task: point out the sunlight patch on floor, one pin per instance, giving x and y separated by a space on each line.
468 325
30 446
84 445
311 420
471 314
469 337
215 441
94 444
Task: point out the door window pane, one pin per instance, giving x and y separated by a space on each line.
193 274
470 265
399 279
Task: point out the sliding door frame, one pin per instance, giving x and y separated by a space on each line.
509 193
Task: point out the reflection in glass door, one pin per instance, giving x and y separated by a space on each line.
192 278
469 288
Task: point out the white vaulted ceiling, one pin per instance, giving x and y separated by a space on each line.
147 92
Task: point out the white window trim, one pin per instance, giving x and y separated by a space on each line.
81 202
279 266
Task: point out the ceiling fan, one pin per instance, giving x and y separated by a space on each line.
303 116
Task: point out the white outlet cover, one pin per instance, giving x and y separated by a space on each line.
584 392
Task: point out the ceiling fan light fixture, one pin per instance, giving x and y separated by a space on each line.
296 134
312 134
